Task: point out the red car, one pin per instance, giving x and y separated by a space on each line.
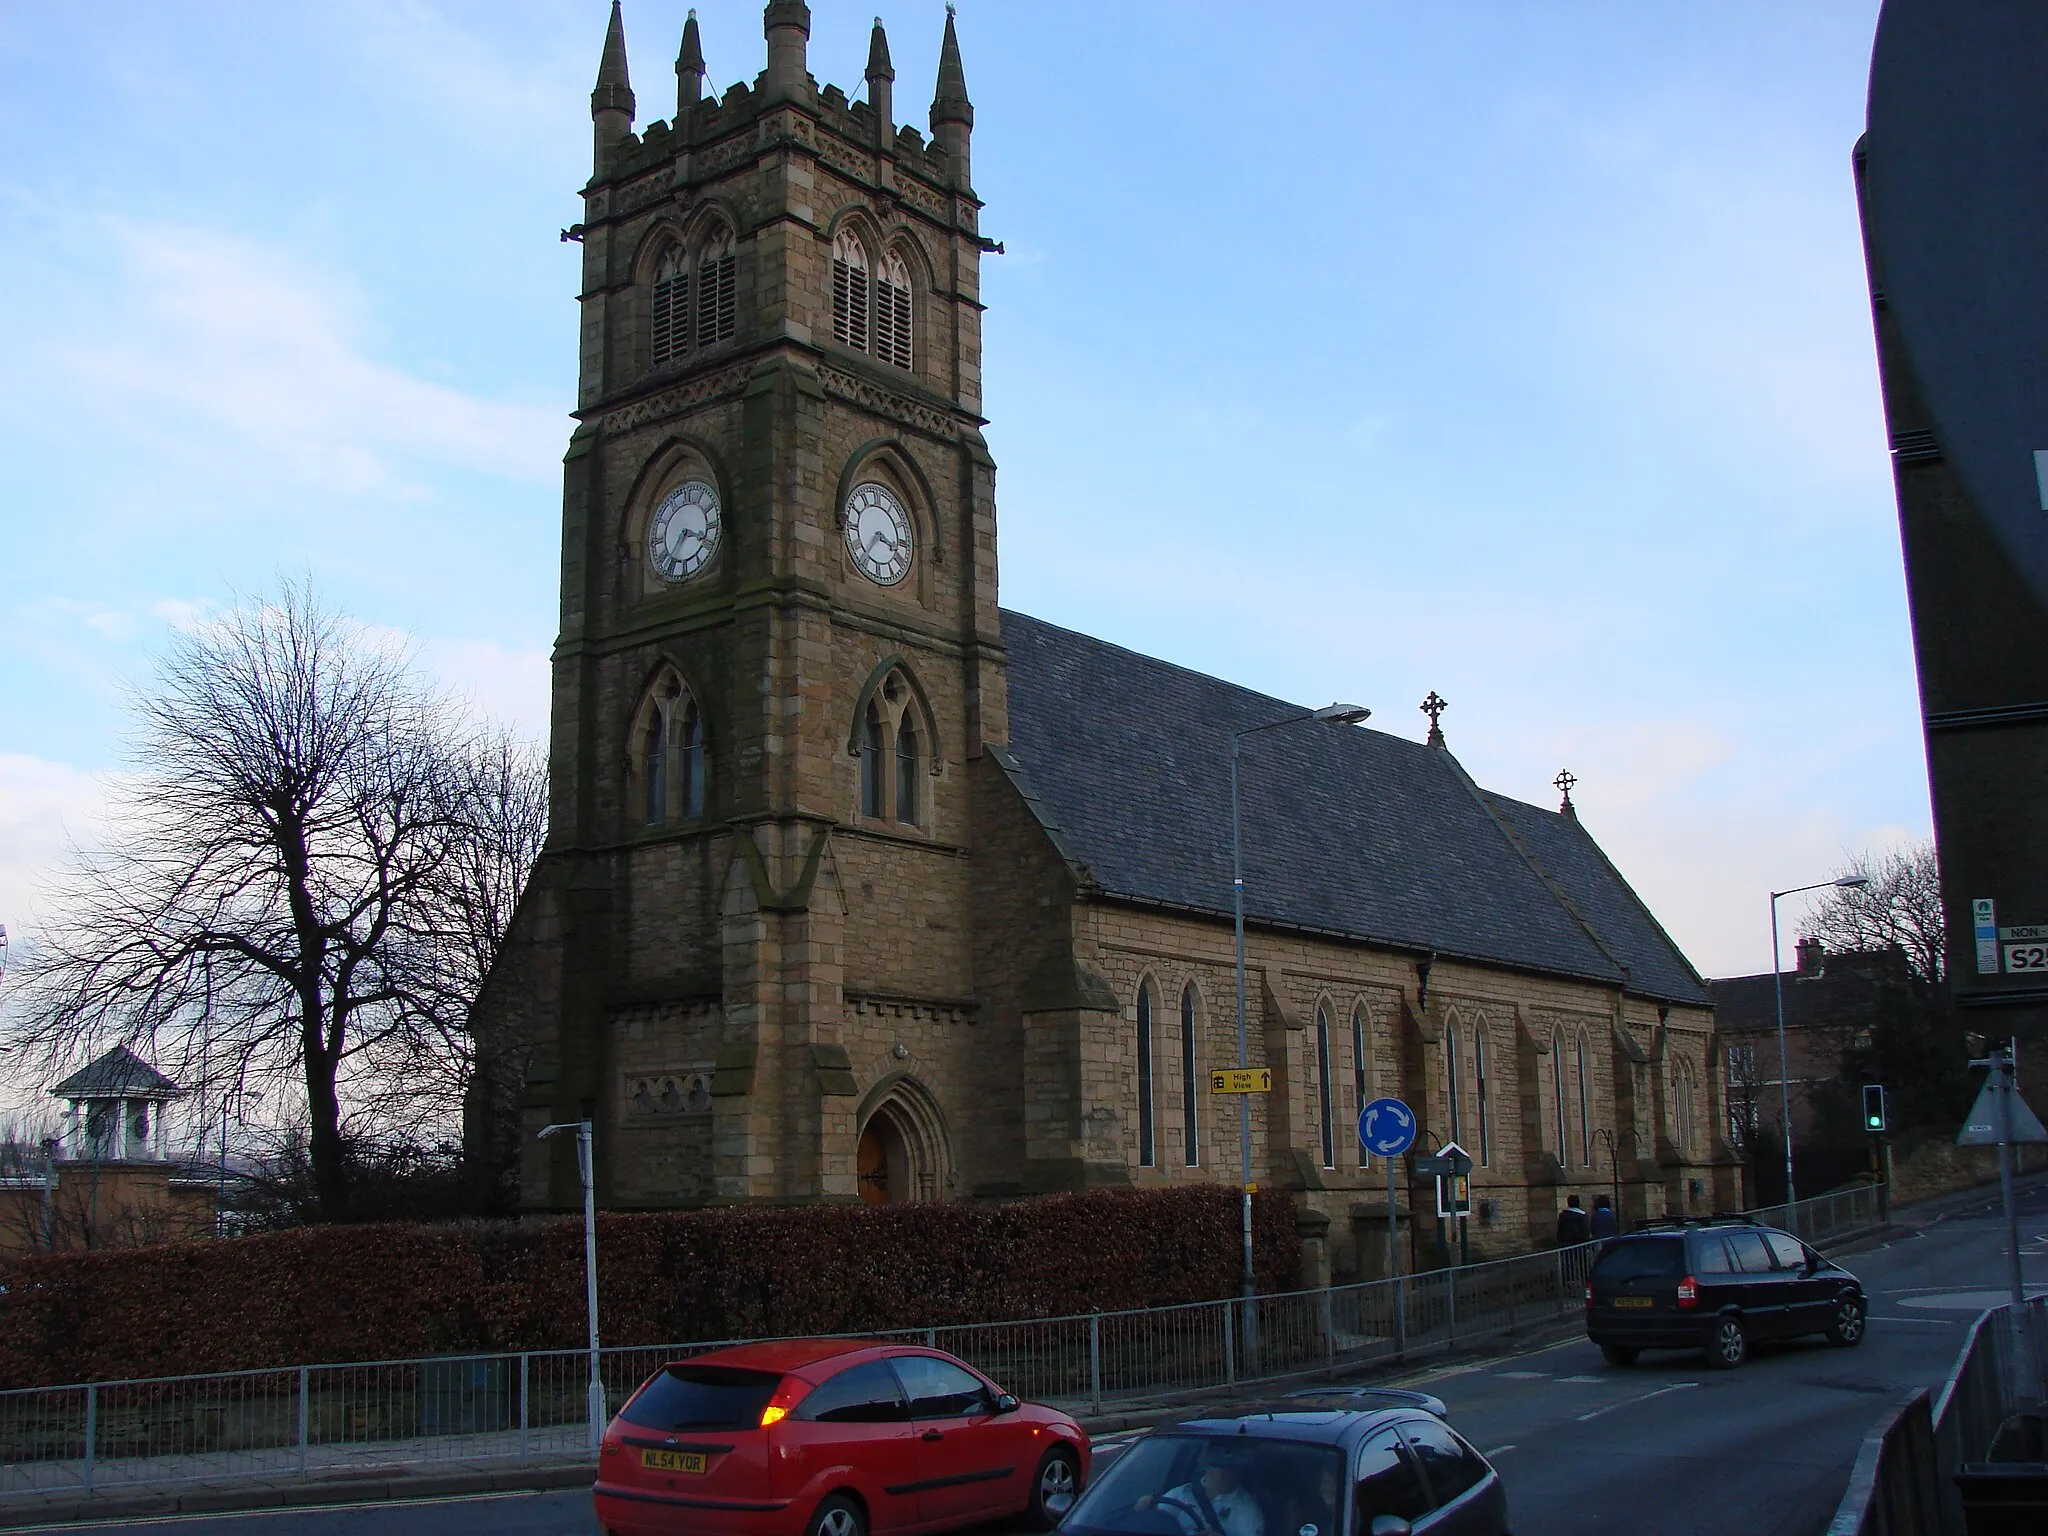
831 1437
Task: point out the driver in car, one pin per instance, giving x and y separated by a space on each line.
1214 1504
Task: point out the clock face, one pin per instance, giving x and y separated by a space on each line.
684 534
878 534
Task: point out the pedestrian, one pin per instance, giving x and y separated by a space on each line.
1572 1226
1605 1223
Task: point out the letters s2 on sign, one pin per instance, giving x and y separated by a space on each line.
2027 958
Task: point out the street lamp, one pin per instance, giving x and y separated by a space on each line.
581 1129
1333 714
1846 883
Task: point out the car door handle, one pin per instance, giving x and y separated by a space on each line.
932 1434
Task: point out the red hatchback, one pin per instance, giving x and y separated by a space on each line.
831 1437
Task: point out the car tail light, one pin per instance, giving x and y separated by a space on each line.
1688 1292
786 1397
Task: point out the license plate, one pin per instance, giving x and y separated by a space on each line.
1635 1301
672 1461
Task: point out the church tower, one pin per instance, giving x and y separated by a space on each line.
779 647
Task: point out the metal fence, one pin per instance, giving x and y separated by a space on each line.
1903 1481
331 1420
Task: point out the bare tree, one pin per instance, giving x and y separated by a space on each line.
1899 909
288 891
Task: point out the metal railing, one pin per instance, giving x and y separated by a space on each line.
1903 1483
331 1420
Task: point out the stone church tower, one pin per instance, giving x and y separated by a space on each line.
860 887
779 649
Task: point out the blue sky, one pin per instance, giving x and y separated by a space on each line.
1519 351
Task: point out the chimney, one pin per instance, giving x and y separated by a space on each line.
1812 956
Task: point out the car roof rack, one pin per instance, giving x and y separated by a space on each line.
1679 1223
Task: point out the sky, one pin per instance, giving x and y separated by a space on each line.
1516 351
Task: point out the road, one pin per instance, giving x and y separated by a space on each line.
1584 1448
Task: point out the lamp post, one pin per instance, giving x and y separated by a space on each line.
581 1128
1334 714
1846 883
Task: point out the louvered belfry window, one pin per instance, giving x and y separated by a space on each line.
850 291
717 298
670 308
892 311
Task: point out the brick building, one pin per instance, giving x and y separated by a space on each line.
860 886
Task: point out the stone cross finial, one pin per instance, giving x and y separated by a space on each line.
1564 781
1434 707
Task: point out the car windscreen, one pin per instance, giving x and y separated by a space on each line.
1182 1485
1641 1258
702 1397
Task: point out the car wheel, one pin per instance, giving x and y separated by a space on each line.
838 1516
1054 1488
1728 1344
1846 1331
1619 1354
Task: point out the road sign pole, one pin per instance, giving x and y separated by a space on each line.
1394 1268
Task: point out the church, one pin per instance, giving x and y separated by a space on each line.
860 886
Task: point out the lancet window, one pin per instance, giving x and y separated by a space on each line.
717 290
1323 1104
895 755
669 310
1190 1080
1479 1091
1361 1063
668 754
871 307
1145 1148
692 303
1564 1152
1585 1108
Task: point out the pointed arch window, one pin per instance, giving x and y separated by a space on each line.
873 799
1145 1074
906 770
892 310
1361 1068
1682 1107
1329 1126
1451 1065
850 291
1190 1080
1564 1145
717 290
1479 1090
668 756
1585 1109
669 310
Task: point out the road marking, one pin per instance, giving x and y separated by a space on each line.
1498 1450
1631 1402
1525 1375
1925 1322
1582 1378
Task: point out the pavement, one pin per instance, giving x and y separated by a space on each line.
1577 1441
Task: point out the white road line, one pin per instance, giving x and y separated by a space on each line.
1498 1450
1928 1322
1631 1402
1524 1375
1582 1378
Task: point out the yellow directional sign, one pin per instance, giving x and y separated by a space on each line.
1242 1080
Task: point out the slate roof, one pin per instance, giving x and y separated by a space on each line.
1844 994
120 1074
1347 831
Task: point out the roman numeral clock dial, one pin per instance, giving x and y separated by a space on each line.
878 538
683 535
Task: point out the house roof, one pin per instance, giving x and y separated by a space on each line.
120 1074
1346 831
1843 992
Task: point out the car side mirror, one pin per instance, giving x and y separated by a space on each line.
1391 1525
1006 1404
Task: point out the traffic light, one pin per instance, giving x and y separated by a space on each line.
1873 1107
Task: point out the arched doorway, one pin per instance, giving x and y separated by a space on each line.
904 1153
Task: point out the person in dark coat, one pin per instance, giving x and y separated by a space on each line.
1605 1223
1572 1226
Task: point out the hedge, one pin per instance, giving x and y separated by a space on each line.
320 1295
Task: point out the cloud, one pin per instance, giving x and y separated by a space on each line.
511 686
44 808
203 329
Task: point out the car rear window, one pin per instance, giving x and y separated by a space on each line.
702 1397
1651 1257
